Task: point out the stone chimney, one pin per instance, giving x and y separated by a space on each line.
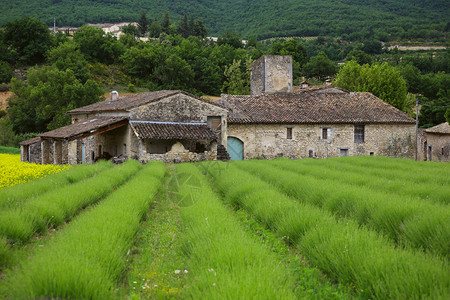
271 74
114 96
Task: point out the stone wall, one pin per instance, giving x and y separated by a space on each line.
272 74
31 153
269 141
177 154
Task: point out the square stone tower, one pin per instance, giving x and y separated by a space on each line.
271 74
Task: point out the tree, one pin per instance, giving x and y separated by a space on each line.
237 78
131 30
68 56
183 27
372 47
41 103
141 62
175 73
154 29
319 67
384 81
165 24
230 38
296 50
143 24
6 72
447 115
29 38
196 27
359 56
434 112
95 46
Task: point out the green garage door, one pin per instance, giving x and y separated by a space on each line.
235 147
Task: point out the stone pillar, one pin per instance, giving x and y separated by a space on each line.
57 152
72 152
24 153
45 152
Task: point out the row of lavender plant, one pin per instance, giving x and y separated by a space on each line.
431 187
406 221
343 249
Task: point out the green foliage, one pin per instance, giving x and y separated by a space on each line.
264 19
95 46
68 56
143 24
384 81
230 38
6 72
237 78
154 30
372 47
433 112
29 39
359 56
319 67
165 24
130 29
447 115
42 102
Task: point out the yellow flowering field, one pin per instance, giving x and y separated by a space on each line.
13 171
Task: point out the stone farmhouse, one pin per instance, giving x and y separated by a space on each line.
277 119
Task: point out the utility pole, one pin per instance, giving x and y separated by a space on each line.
417 126
54 25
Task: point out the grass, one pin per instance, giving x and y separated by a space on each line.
342 249
157 253
9 150
16 195
88 258
406 221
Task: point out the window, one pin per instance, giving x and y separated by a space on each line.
372 153
289 133
359 133
124 149
326 133
343 152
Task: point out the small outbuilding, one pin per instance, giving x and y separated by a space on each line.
437 144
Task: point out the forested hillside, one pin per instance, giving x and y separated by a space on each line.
261 19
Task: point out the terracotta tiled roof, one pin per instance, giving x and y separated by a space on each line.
319 89
127 102
312 107
81 128
167 131
443 128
